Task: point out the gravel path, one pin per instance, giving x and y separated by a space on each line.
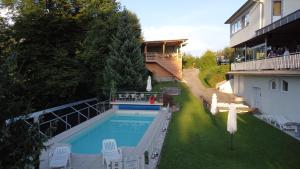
190 77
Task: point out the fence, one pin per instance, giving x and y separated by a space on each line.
59 119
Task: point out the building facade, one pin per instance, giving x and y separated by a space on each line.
163 58
266 37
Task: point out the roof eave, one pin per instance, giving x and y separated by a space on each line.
246 5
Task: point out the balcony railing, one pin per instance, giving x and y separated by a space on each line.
285 62
151 55
137 97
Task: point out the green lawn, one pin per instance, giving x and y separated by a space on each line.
195 140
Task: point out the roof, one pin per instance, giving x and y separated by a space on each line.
278 33
173 41
241 10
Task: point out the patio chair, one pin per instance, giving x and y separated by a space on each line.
285 124
121 97
268 117
126 96
142 97
60 157
133 96
112 155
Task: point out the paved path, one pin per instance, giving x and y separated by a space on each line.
190 77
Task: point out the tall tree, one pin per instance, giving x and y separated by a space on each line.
125 65
229 53
57 51
102 16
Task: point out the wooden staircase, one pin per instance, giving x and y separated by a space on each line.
172 64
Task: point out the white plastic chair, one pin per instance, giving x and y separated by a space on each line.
285 124
112 155
268 117
61 157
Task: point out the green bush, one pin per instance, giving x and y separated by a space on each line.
210 73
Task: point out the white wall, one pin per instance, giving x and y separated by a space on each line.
226 87
276 101
289 6
268 12
249 31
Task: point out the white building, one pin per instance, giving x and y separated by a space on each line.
266 77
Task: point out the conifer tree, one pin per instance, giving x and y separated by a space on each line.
125 64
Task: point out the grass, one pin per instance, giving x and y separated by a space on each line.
213 75
196 140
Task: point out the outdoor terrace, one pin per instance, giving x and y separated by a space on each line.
137 98
278 63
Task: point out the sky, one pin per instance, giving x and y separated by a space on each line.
199 21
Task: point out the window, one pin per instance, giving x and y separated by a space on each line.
277 8
243 22
246 19
240 23
285 86
273 84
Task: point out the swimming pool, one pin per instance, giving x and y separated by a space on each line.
127 129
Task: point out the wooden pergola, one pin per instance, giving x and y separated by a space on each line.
163 44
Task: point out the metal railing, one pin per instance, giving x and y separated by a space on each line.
137 97
285 62
59 119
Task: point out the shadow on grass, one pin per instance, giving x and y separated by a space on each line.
197 139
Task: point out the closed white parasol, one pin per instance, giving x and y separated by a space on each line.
213 106
149 86
231 122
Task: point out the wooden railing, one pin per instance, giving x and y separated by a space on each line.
172 62
285 62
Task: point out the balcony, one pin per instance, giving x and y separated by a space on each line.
285 62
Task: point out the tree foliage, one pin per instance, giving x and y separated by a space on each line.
208 59
210 73
56 52
125 64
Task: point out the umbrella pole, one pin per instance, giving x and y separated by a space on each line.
231 141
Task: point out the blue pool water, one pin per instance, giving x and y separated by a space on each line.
126 129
